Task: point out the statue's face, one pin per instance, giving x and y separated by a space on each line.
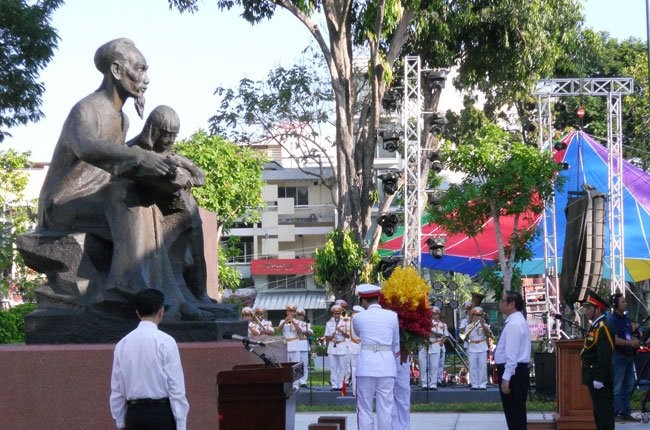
133 74
165 140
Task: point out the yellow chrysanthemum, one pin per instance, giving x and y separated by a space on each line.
406 287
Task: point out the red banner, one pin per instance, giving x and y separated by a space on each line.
294 266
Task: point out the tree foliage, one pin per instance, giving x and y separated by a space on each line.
339 263
233 177
501 48
502 177
16 216
27 43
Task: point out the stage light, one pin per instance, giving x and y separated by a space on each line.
436 79
437 286
387 265
389 182
436 246
437 123
436 164
563 166
453 304
438 303
390 139
391 99
388 223
452 285
559 146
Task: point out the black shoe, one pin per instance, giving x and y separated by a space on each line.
335 389
304 385
629 417
483 389
433 389
474 388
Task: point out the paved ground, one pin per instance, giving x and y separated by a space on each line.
448 421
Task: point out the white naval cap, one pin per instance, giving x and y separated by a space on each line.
435 310
368 290
341 303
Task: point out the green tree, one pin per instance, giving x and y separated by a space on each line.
339 263
16 217
233 181
503 177
493 41
27 43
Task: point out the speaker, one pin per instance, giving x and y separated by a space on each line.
584 244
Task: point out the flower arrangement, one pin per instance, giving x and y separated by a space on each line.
406 293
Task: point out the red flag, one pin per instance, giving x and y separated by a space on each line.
344 389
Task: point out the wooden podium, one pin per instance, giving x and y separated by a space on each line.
575 410
257 397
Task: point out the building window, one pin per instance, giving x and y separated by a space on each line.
299 194
287 282
238 250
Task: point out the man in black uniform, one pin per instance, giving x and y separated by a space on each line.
596 357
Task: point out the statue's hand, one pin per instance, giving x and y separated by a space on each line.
156 165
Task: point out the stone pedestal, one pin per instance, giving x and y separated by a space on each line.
68 386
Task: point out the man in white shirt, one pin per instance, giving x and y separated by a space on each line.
292 330
303 344
429 355
512 358
378 330
147 382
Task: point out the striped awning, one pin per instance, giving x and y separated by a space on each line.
273 301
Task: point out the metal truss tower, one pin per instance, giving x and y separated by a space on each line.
613 89
412 122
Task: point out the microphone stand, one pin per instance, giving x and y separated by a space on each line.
267 361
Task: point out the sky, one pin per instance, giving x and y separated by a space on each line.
189 56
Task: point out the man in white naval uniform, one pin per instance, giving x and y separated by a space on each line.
336 333
429 355
477 350
292 330
378 330
354 346
443 351
303 345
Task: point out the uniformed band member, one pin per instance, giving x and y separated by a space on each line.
477 333
265 326
512 358
337 331
303 345
354 346
443 350
596 358
291 329
429 355
378 330
247 314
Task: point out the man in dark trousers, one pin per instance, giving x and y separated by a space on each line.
147 382
512 357
596 358
625 346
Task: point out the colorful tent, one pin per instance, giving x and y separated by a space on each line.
587 164
587 161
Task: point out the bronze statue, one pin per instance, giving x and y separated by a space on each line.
115 219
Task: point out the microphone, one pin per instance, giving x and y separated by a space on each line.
245 340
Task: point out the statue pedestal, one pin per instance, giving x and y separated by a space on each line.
52 325
68 386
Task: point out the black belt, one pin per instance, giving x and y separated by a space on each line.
520 365
147 401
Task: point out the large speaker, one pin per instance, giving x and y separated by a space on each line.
584 244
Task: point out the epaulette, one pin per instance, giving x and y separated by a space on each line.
602 325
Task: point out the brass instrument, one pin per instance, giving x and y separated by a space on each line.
477 298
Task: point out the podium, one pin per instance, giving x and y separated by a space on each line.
257 397
575 410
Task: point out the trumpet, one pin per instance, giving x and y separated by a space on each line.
470 327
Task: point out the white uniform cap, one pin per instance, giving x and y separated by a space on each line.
246 310
341 302
300 311
435 310
358 308
368 290
477 310
467 304
336 308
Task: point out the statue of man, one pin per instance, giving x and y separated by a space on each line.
99 185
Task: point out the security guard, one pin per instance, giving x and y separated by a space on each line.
596 357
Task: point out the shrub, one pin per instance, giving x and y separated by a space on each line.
12 323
